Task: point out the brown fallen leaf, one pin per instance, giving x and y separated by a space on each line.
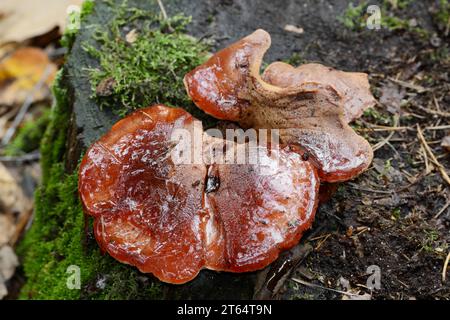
25 19
21 71
12 198
7 228
8 264
131 36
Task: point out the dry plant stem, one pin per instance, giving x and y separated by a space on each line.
432 156
442 210
29 157
435 112
312 285
386 140
21 226
445 127
164 13
408 85
444 269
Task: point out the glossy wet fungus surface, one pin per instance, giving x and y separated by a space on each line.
172 219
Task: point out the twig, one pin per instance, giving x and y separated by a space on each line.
357 187
432 156
21 225
435 112
309 284
321 242
425 160
33 156
408 85
444 269
25 106
386 140
444 127
164 13
442 210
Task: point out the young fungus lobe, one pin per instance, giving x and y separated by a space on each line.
311 105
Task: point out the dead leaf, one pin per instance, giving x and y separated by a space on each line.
391 96
131 36
25 19
7 229
294 29
12 198
21 71
8 264
106 87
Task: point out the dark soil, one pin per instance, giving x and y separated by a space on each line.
386 216
399 233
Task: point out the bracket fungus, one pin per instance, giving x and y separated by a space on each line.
172 220
311 105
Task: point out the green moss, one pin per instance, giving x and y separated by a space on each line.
29 136
374 116
295 60
56 239
147 69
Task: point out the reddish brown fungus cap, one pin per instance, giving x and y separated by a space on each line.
172 220
310 105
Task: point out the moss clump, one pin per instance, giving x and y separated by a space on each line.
53 242
143 59
56 239
29 136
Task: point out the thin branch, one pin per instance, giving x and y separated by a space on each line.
444 269
386 140
442 210
33 156
432 156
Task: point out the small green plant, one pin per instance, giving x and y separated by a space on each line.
353 17
377 117
429 241
296 59
396 213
